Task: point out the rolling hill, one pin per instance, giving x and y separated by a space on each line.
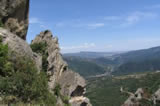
84 67
94 63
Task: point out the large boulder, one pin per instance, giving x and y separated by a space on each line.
14 16
20 47
73 86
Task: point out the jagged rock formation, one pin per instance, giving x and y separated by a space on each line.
14 16
56 65
135 98
72 84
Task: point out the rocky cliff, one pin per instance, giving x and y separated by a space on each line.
14 17
72 84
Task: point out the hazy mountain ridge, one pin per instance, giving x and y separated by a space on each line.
119 62
85 67
92 54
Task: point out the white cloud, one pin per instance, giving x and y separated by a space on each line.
34 20
95 25
43 27
135 17
83 46
37 21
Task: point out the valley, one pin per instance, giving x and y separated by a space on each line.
107 75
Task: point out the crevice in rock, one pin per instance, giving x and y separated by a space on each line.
65 68
78 91
84 104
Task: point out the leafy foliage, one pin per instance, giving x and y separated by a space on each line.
5 65
20 80
57 90
1 24
41 48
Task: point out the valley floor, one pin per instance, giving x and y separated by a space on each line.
106 91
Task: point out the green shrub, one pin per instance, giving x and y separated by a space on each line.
65 100
20 80
1 24
57 90
5 65
41 48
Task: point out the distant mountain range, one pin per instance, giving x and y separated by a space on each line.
116 63
92 54
139 61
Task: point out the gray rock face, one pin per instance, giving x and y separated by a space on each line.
20 46
156 97
14 16
135 98
56 65
72 84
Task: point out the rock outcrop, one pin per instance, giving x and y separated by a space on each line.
72 84
56 65
14 16
135 98
20 46
156 97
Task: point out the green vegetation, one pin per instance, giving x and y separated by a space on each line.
148 65
57 92
147 60
1 24
20 80
41 48
65 100
5 65
84 67
106 90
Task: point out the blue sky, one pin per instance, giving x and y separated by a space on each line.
97 25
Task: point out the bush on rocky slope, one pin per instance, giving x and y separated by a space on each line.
41 48
1 24
20 80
